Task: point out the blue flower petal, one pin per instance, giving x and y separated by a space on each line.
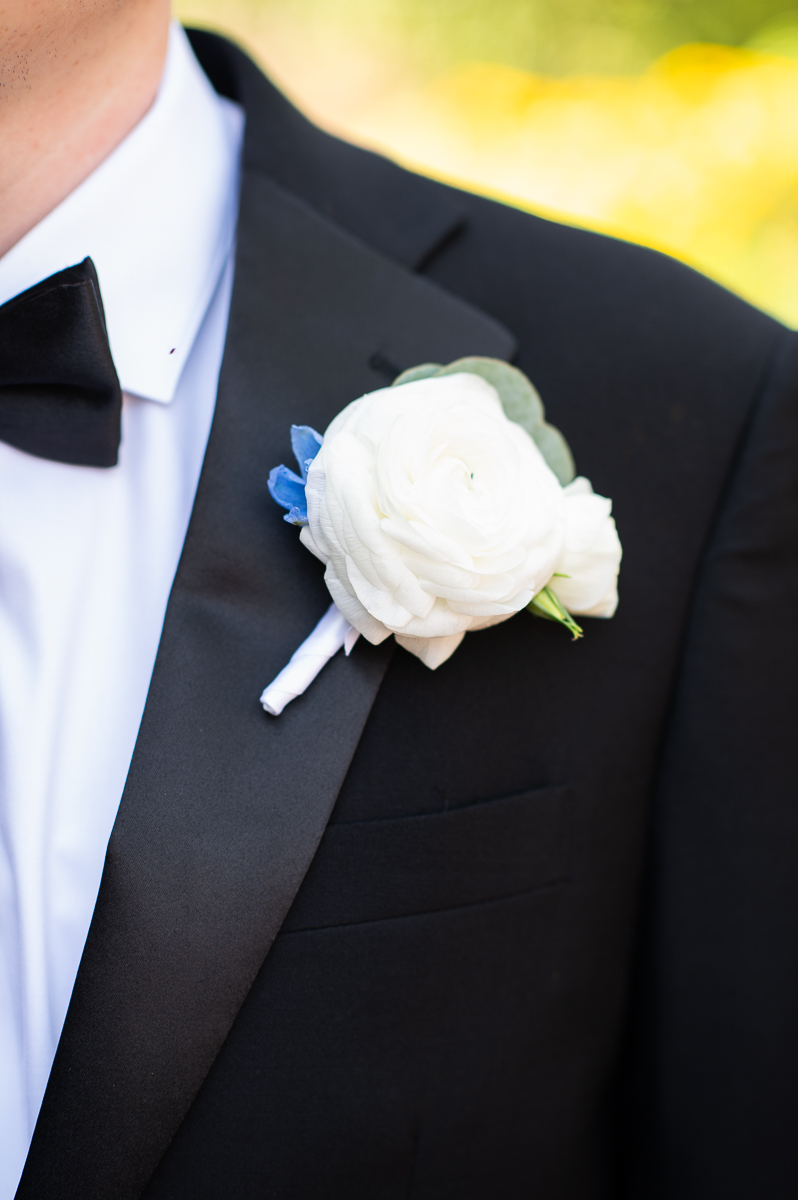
288 488
289 491
305 443
296 516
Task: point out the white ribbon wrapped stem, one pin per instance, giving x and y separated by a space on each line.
332 632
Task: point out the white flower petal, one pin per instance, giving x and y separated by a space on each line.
606 606
379 603
587 573
351 608
307 539
431 651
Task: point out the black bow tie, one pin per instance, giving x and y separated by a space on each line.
59 393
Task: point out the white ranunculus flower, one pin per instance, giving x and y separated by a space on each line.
433 513
591 556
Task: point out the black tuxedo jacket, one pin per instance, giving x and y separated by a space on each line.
526 926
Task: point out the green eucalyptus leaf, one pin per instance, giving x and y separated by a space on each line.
425 371
556 451
520 401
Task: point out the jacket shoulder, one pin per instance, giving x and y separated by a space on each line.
534 273
501 258
570 294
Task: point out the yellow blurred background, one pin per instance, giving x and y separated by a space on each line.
669 122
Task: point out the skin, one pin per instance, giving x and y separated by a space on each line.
75 77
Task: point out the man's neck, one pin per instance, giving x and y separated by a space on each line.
74 81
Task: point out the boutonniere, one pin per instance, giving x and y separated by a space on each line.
441 505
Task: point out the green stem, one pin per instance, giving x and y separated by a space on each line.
546 605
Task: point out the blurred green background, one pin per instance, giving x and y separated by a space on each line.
669 122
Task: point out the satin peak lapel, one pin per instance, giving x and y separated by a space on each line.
224 807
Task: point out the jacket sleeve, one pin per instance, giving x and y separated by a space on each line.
717 1046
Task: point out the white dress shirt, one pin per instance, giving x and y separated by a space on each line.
87 556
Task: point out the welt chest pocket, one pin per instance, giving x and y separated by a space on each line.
374 870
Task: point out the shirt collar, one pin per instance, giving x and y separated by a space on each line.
158 219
